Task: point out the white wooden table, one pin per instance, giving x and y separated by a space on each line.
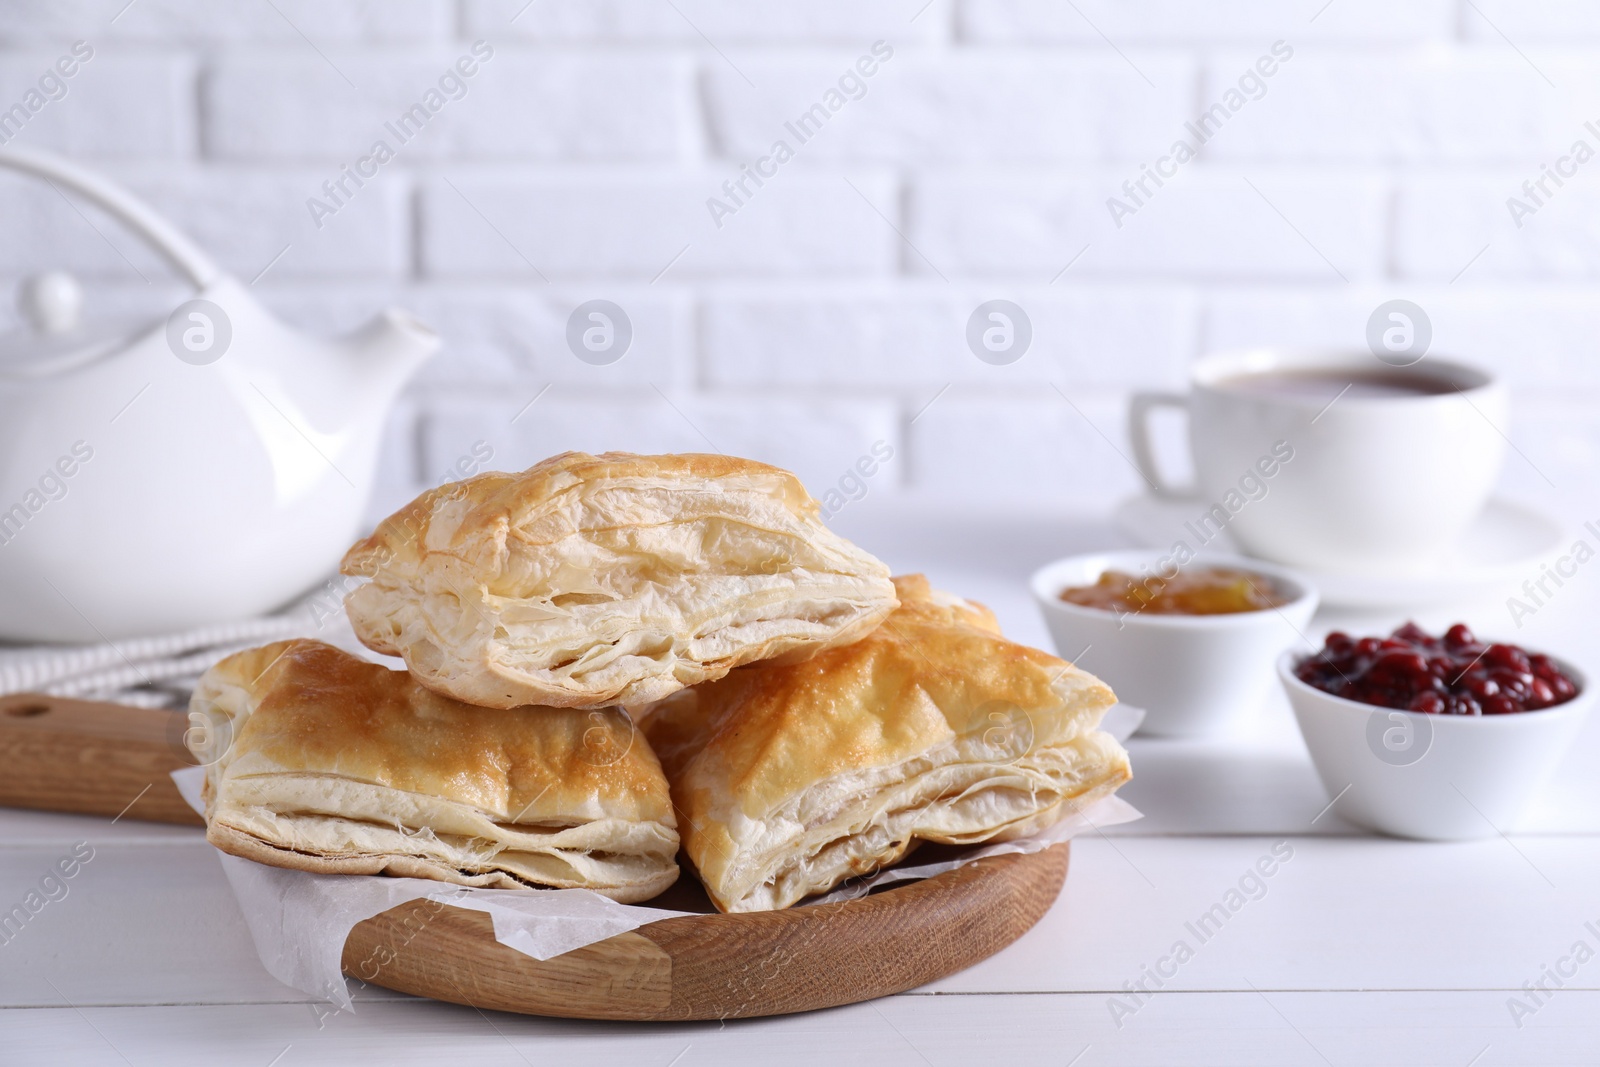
1361 950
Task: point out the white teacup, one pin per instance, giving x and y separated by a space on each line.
1334 460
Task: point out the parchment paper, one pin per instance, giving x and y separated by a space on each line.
300 921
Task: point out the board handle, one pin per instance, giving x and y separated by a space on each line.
89 758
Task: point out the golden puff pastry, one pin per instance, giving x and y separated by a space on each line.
790 779
616 579
320 761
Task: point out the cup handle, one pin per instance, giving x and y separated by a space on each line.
1139 408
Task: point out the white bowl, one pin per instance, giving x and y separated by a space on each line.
1432 777
1193 674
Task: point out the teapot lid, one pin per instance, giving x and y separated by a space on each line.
56 339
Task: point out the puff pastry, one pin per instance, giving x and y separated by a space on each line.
614 579
790 779
321 761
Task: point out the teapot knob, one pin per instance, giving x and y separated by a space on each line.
51 302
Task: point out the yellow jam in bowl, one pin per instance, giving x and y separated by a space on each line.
1200 591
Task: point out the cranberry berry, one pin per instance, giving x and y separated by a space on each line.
1451 675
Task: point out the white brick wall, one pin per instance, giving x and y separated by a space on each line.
227 21
1415 105
607 224
827 310
782 23
1204 223
907 340
519 104
1441 222
817 439
930 105
1185 23
132 104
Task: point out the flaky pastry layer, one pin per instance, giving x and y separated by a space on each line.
613 579
320 761
792 778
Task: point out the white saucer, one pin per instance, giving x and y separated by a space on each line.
1504 545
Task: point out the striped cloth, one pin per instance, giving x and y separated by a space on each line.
161 671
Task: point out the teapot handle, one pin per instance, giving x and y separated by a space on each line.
120 204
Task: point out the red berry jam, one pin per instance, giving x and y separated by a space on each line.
1451 675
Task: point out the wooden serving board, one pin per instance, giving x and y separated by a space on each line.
106 759
93 759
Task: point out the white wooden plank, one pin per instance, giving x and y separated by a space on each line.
1343 913
1265 784
19 826
147 924
1236 1029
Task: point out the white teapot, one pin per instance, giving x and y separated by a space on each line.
207 467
